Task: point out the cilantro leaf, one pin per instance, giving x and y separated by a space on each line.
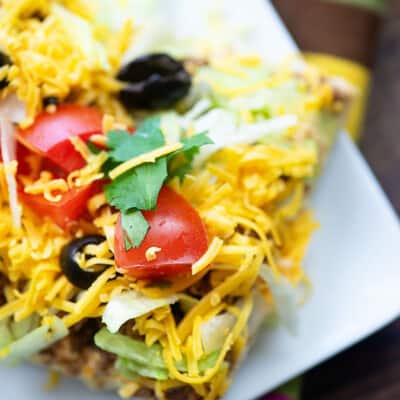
180 161
195 142
124 146
134 227
139 187
109 165
92 147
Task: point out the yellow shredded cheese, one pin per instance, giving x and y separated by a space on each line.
250 198
208 257
89 300
151 253
47 186
149 157
49 59
128 390
53 381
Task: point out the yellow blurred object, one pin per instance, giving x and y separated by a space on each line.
353 72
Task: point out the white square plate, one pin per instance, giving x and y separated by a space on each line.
353 262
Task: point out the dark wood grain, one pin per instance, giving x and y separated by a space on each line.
381 143
368 371
371 369
331 28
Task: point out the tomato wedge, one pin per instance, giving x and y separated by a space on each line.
49 135
70 208
176 228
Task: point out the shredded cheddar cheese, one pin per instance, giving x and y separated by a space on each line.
48 56
151 253
249 211
250 197
208 257
149 157
47 186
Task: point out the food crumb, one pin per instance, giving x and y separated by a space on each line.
151 253
128 390
107 123
51 108
53 380
215 299
98 139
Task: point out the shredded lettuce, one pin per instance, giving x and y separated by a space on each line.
129 305
123 369
129 348
224 127
6 336
22 328
268 103
10 330
25 347
134 357
80 30
171 126
215 330
261 311
285 296
147 370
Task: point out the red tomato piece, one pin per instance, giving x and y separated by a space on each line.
176 228
22 154
70 208
49 134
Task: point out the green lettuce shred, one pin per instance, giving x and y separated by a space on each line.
136 358
25 347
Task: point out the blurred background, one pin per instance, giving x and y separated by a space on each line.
359 39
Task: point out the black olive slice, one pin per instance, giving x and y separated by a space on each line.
71 269
50 101
153 81
4 60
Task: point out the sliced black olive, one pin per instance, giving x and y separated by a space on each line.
50 104
153 81
50 101
71 269
38 15
4 60
177 312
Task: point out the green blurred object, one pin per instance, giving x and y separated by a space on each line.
377 6
291 389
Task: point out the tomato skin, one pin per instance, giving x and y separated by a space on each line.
69 209
176 228
21 154
49 134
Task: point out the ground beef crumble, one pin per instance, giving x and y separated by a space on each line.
3 284
76 355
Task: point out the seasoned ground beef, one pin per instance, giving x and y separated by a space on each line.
3 283
179 393
182 393
76 355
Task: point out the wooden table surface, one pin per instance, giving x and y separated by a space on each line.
371 369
